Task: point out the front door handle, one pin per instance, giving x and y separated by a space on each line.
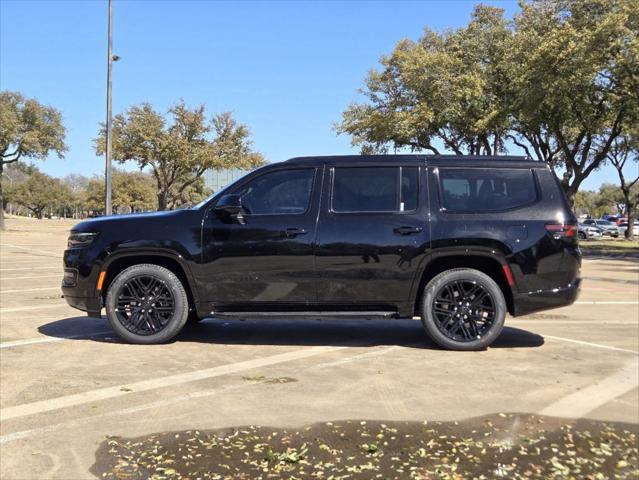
407 230
293 232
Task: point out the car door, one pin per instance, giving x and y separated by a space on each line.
267 259
373 233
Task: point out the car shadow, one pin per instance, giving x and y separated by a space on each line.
324 332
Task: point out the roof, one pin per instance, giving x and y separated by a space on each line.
435 160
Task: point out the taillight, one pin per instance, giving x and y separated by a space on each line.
562 230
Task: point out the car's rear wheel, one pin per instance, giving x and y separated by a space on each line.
463 309
147 304
581 235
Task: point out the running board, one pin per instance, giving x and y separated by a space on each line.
311 314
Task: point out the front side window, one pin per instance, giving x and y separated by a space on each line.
375 189
278 193
481 190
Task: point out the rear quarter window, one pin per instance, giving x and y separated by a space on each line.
485 190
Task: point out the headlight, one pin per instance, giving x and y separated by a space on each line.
81 239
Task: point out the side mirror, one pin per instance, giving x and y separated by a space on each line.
230 206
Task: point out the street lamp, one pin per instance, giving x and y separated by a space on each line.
109 121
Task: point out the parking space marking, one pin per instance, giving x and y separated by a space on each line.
580 403
34 267
18 290
34 307
49 405
26 249
35 341
590 344
32 276
608 302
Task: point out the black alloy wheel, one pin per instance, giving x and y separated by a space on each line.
463 309
147 304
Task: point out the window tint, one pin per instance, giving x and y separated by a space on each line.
477 190
283 192
375 189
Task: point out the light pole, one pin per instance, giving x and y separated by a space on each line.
109 120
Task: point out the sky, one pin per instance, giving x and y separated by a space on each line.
286 69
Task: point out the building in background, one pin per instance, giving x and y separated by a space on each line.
216 180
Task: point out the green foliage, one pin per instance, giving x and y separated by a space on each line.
28 129
40 192
560 81
178 153
131 192
445 86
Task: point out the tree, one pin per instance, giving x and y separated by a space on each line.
132 192
28 129
178 153
446 87
40 192
625 149
609 198
559 82
575 75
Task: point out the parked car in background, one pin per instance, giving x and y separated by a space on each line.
606 227
624 226
587 232
457 240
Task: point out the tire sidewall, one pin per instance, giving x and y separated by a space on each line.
180 299
430 324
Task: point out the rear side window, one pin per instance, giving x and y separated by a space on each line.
375 189
479 190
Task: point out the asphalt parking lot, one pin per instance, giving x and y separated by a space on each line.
67 383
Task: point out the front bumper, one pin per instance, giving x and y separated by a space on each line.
91 305
525 303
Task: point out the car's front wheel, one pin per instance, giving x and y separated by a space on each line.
147 304
463 309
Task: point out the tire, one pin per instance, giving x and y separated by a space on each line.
147 304
581 235
457 290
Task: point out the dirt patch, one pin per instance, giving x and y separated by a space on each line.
511 446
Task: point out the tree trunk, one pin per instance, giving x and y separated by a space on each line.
162 200
631 221
1 198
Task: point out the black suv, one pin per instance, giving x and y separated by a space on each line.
457 241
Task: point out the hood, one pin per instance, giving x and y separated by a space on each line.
97 224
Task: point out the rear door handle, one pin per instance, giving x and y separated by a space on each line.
293 232
407 230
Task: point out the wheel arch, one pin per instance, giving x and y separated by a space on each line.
489 264
169 260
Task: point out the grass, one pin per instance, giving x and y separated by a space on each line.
616 247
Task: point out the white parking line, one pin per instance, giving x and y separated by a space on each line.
48 252
44 406
607 302
18 290
589 344
30 276
580 403
34 341
34 307
34 267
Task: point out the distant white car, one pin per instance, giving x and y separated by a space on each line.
606 227
624 226
586 232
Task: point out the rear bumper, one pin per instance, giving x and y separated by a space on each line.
525 303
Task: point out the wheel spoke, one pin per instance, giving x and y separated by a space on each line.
473 313
144 305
